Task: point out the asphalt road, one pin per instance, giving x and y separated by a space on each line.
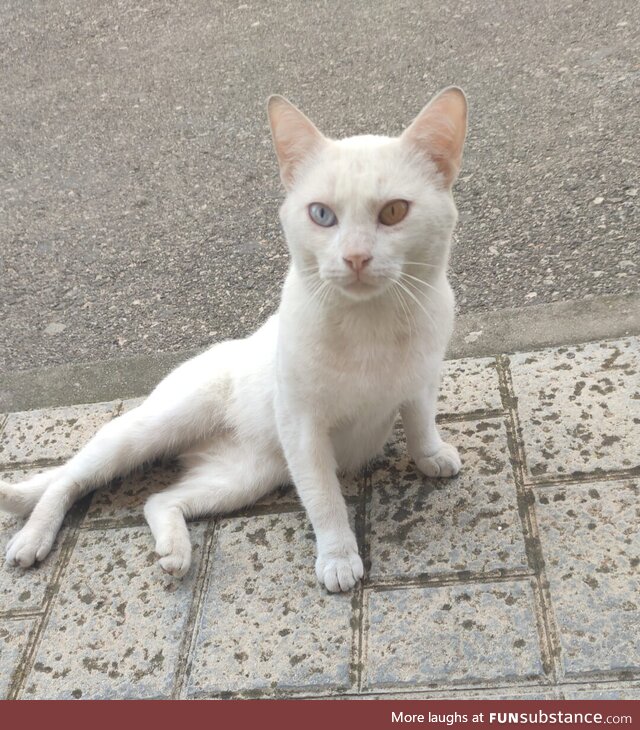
139 191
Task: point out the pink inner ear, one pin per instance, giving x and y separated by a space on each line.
295 137
439 131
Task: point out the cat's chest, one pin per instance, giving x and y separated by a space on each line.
351 373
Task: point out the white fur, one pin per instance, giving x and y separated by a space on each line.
315 391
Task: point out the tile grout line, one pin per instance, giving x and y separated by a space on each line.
360 637
477 415
135 520
15 675
548 633
449 579
29 654
35 464
429 690
337 694
605 683
201 586
577 479
16 614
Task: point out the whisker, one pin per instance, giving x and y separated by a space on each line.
413 325
422 281
315 295
325 293
418 291
308 272
421 263
416 300
401 301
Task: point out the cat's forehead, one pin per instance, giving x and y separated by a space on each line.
366 167
361 153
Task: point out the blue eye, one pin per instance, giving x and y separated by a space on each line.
322 215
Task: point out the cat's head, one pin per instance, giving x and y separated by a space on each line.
359 212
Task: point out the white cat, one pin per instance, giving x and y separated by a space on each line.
365 316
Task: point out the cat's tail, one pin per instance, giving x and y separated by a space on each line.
20 499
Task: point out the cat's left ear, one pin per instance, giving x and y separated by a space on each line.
439 130
295 137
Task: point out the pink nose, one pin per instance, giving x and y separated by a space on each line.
357 261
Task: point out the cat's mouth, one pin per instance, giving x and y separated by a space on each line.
361 288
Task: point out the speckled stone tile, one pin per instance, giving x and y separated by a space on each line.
124 499
469 385
118 623
591 545
14 634
579 407
452 635
266 622
23 589
54 433
421 526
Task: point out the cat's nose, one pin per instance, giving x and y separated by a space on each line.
357 261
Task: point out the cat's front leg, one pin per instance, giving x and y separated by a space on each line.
309 452
432 455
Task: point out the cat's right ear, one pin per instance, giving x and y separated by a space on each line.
295 137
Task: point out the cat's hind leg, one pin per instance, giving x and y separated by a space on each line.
213 484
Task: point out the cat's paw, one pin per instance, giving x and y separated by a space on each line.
174 552
444 463
28 546
339 572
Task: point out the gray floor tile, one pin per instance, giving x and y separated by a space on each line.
118 622
452 635
591 546
14 634
421 526
469 385
266 622
579 407
124 498
54 433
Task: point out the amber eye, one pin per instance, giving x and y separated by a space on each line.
393 212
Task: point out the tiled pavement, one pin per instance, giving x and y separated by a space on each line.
519 578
